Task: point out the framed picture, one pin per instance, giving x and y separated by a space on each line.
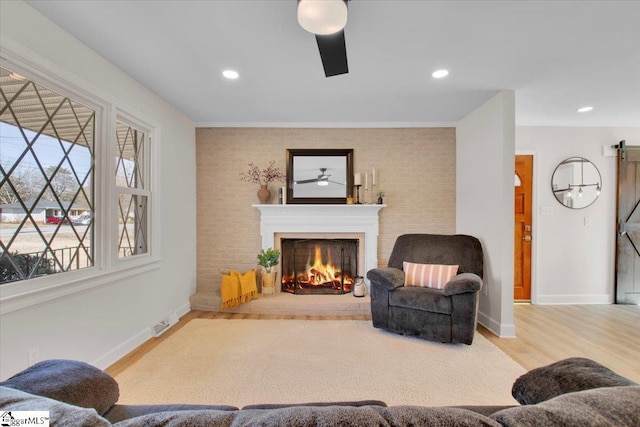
322 176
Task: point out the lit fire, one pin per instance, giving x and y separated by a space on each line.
317 273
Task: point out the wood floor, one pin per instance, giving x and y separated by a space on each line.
609 334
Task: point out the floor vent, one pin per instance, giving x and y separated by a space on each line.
164 324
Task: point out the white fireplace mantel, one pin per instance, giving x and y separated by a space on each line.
326 219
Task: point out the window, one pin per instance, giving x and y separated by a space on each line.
75 187
47 164
132 183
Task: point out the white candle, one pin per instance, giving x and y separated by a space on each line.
356 179
373 177
366 181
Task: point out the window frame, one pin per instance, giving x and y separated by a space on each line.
149 167
107 266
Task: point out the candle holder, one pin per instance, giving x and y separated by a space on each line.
358 194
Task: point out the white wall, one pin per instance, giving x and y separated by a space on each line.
102 324
485 142
573 262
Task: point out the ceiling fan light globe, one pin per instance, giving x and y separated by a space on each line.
323 182
322 17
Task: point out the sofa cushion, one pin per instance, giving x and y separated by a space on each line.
427 416
123 412
428 275
70 381
197 418
303 416
60 414
361 416
607 406
355 403
564 376
485 410
423 299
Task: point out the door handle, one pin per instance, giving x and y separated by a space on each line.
527 238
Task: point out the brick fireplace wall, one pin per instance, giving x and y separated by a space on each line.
415 167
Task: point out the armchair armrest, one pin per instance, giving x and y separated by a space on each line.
389 277
463 283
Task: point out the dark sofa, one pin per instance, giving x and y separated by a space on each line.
572 392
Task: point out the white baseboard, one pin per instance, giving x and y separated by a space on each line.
132 343
488 323
574 299
123 349
507 331
500 330
183 309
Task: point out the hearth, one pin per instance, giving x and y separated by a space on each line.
319 266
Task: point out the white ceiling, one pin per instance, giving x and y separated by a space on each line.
556 55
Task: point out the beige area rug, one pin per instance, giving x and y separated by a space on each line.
241 362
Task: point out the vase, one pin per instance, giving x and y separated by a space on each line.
264 194
268 282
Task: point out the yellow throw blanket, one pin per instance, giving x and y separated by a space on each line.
237 288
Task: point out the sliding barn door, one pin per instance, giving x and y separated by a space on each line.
628 212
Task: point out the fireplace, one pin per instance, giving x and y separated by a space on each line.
319 266
360 222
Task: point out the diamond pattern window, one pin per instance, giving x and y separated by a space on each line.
133 190
47 163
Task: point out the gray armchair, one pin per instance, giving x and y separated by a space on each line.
446 315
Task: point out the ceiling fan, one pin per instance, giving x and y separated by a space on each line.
322 179
326 19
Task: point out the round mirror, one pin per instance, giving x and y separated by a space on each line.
576 183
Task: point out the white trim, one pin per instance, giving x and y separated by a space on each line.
183 309
575 299
500 330
125 347
132 343
489 323
325 124
18 295
133 191
589 124
10 300
151 191
62 80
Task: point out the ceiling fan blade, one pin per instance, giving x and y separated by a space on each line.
333 52
307 181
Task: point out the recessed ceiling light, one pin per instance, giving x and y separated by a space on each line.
230 74
584 109
439 74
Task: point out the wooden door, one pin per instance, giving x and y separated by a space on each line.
628 215
522 245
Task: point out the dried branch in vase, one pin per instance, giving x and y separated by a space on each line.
263 177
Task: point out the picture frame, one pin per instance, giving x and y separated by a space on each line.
319 176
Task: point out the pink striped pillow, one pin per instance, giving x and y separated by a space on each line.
428 275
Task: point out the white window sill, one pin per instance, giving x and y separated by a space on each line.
19 295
